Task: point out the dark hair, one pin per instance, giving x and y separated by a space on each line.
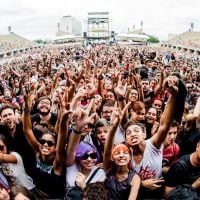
96 191
49 133
5 106
42 98
5 141
174 124
108 104
142 126
100 123
15 190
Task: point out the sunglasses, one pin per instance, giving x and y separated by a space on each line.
48 142
91 155
2 147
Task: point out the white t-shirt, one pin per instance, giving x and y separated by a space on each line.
151 163
16 172
71 172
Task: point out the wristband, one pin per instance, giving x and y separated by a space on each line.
26 110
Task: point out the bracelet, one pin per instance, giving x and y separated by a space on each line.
26 110
77 132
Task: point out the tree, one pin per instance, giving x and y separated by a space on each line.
152 39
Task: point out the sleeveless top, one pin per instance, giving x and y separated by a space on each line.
151 164
119 190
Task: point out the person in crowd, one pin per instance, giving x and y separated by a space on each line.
150 170
100 79
15 137
81 157
186 170
170 148
44 114
19 192
49 153
151 122
121 180
12 166
4 194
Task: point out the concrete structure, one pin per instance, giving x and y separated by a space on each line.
12 44
69 25
131 38
98 27
186 42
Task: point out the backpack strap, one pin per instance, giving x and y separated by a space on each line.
92 176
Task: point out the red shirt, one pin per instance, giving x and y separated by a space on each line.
170 155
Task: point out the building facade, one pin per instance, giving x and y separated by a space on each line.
69 25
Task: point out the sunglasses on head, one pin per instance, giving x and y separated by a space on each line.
2 147
48 142
91 155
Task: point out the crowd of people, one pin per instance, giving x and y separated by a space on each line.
9 46
100 122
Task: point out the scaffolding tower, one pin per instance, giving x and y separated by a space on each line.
98 27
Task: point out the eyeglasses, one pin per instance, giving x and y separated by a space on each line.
48 142
2 147
45 102
91 155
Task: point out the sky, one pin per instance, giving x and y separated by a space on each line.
34 19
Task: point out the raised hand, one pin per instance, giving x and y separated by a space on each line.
120 90
82 118
171 84
80 180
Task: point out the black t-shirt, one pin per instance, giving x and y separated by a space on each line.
148 99
182 172
19 144
35 119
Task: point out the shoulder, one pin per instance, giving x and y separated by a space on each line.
181 164
150 145
35 117
17 156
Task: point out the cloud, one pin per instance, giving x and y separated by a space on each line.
33 18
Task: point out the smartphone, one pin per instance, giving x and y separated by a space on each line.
27 88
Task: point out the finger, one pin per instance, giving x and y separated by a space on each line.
79 76
66 94
89 107
60 99
72 82
156 186
115 105
126 108
93 117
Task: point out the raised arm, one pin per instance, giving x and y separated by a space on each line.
62 135
114 123
167 116
81 118
27 126
107 157
7 158
159 85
